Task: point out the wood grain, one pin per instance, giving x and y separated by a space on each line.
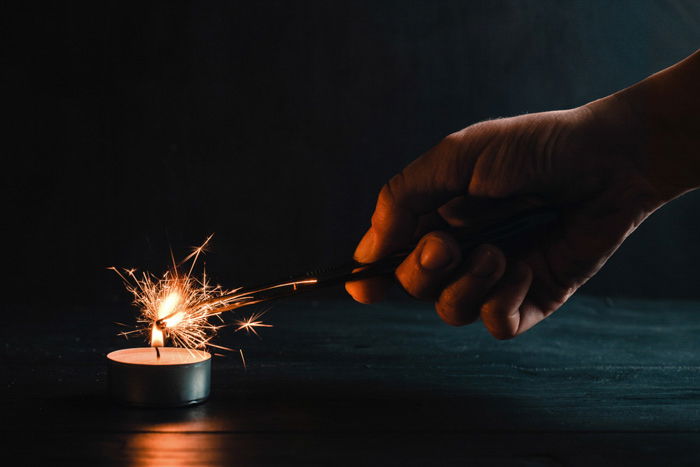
336 382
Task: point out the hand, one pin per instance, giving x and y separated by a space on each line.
579 161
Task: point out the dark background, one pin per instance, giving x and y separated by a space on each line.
137 127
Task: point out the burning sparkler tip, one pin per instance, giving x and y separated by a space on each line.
177 306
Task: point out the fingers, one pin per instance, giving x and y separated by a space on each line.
460 301
421 274
422 187
428 267
489 287
369 290
502 312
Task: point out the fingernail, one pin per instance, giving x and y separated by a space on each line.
435 255
484 263
363 252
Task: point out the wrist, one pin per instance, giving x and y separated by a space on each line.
665 154
663 126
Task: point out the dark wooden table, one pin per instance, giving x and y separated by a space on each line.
601 383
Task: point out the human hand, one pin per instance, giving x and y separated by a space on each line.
581 162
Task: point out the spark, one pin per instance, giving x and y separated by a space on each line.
179 308
253 321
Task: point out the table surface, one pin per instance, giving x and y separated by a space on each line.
333 382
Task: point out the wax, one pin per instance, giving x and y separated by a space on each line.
169 377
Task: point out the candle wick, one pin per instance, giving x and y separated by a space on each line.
157 352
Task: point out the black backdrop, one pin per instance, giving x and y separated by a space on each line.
135 127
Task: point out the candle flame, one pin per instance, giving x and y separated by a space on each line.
157 339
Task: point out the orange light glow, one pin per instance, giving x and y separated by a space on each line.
168 313
179 307
168 304
180 444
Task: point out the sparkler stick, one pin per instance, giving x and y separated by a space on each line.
353 271
181 306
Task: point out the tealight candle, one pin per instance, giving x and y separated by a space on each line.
159 376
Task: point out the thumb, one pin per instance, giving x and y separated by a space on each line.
422 187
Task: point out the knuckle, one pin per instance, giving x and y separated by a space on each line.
387 200
416 282
453 139
447 315
389 193
415 288
550 297
447 242
385 196
491 309
490 314
453 310
439 235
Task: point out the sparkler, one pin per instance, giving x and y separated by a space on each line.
179 307
253 321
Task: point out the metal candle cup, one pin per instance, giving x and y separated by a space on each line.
168 377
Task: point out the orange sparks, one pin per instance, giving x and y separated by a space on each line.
251 323
245 365
177 307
